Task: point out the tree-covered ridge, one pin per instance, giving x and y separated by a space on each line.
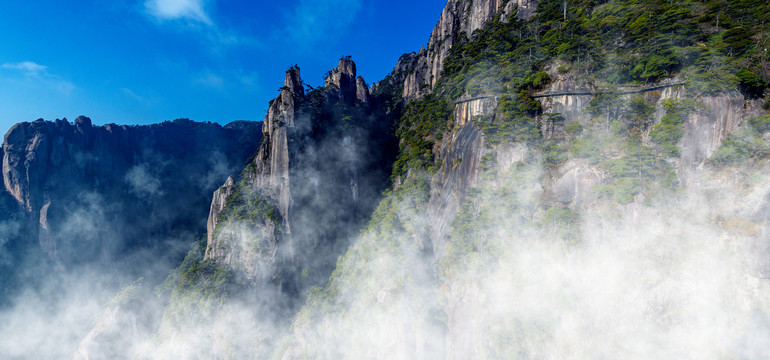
622 42
713 47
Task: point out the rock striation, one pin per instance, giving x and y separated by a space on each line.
98 193
323 162
458 21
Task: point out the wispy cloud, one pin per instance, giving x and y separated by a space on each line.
192 10
210 79
37 75
195 16
313 20
28 67
143 100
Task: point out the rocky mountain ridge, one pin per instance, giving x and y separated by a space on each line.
328 143
458 21
96 194
532 184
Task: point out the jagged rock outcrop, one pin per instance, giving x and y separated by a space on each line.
362 92
218 202
97 193
574 186
704 131
461 158
322 165
272 160
343 79
466 109
459 18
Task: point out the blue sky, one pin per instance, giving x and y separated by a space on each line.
145 61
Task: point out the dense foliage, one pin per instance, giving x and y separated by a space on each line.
245 204
197 286
714 47
745 145
421 125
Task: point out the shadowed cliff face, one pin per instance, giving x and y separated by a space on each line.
324 162
325 159
112 195
546 224
458 21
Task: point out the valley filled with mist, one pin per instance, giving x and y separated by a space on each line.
543 179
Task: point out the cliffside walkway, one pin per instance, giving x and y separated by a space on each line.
461 100
622 91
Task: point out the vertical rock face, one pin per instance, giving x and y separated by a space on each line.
324 160
459 18
362 92
217 205
272 160
343 79
705 131
97 193
571 107
467 110
574 186
461 158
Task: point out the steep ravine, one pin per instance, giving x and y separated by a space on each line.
100 195
555 214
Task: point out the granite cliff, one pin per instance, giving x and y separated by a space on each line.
544 179
106 195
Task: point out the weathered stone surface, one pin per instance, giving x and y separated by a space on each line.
344 78
81 184
362 92
323 174
461 156
218 202
705 131
570 107
575 185
458 17
526 8
467 110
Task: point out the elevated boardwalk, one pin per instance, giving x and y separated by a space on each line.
621 91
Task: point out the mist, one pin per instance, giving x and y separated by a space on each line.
664 280
544 199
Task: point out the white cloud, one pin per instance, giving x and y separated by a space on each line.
132 94
34 74
313 20
210 79
195 15
26 66
142 182
193 10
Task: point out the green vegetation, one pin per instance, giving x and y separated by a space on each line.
198 287
670 130
488 217
622 41
386 264
554 154
745 145
589 146
422 124
515 121
714 46
245 204
638 170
